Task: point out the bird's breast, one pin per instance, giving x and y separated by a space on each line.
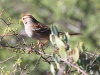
32 34
36 35
28 31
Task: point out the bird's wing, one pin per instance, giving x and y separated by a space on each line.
39 27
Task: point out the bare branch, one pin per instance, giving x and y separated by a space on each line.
1 12
35 65
7 59
5 22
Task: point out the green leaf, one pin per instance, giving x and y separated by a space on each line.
54 30
7 73
52 69
91 72
75 54
58 42
66 67
9 19
52 39
67 37
58 65
62 52
56 59
81 46
19 61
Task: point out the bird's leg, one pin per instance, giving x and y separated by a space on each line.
37 44
40 43
41 46
45 42
30 50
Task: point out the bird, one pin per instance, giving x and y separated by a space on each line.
37 30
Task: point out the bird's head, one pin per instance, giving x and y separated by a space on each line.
28 19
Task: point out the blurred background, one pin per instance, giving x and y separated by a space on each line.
82 16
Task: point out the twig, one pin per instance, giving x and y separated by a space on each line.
91 54
22 70
46 59
1 12
35 65
78 69
7 45
6 35
5 22
94 56
7 59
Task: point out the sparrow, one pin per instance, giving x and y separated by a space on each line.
36 29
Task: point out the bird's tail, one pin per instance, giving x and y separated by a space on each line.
75 33
60 33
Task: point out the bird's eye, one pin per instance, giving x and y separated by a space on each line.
23 18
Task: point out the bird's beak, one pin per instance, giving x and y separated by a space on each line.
20 21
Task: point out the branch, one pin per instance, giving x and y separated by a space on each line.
1 12
35 65
5 22
71 64
7 59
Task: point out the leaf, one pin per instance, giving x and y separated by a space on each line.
52 69
75 54
7 73
19 61
56 59
80 46
61 46
54 30
83 47
9 19
52 39
58 42
64 37
67 37
62 52
66 67
58 65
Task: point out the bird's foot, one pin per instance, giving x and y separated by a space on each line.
42 47
30 50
